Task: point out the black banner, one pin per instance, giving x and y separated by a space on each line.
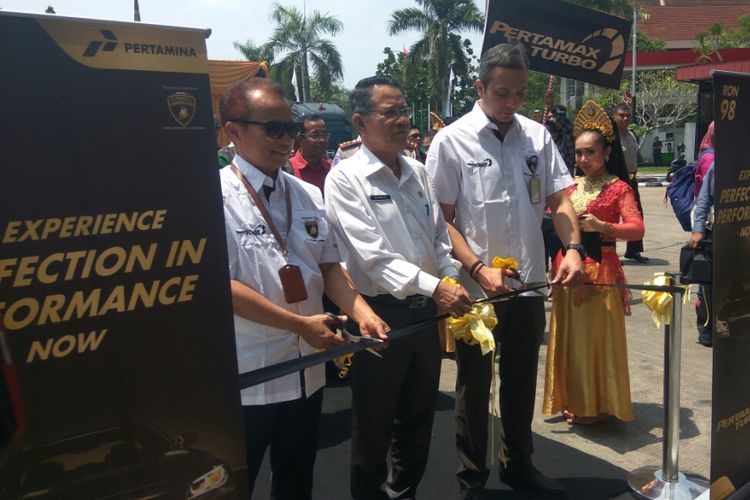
562 38
730 435
119 374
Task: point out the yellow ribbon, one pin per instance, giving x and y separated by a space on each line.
476 326
660 303
508 263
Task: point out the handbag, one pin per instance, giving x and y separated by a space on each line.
696 264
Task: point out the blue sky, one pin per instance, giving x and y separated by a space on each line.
361 43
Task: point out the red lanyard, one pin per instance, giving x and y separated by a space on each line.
264 211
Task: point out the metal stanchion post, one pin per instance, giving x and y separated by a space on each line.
668 482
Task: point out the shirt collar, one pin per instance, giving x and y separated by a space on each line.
374 164
299 161
255 176
480 120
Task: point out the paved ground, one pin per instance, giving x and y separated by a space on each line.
592 462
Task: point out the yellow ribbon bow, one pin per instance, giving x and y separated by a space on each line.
660 303
476 326
501 263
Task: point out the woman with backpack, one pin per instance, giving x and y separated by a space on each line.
705 158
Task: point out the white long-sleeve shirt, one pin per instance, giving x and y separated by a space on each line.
391 233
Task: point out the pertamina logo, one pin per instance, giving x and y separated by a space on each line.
129 47
181 107
94 45
581 54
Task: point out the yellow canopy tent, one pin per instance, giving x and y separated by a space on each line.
225 73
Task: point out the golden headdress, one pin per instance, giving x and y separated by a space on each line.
436 122
592 117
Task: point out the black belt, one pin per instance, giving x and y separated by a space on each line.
608 243
410 302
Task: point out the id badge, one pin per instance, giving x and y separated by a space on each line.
292 284
535 190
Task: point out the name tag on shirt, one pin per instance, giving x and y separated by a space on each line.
380 197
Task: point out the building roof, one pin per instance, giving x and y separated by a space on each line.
673 58
678 25
699 72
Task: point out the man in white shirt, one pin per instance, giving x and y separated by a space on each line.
281 260
622 116
393 240
494 172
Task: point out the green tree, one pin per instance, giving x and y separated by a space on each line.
280 72
299 38
441 49
709 42
739 36
417 90
50 10
663 101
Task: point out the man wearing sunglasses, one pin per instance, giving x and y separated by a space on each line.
281 260
310 163
392 236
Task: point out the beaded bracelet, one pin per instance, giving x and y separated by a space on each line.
475 269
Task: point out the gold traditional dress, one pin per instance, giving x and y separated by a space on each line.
587 357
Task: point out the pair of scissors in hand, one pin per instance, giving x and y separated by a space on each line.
341 327
517 276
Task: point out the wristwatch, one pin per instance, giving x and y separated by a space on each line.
577 247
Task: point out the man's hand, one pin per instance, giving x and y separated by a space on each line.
570 272
317 331
695 238
492 280
373 326
451 298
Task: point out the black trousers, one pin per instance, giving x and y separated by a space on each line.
393 405
291 429
518 336
637 245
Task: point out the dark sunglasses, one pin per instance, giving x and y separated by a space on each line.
275 130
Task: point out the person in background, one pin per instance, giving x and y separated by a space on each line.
494 172
705 158
347 150
656 150
278 269
622 117
310 163
587 376
412 145
704 308
426 142
394 242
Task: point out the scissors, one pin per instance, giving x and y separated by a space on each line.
341 327
517 276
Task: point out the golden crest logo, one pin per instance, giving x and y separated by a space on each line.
311 226
182 107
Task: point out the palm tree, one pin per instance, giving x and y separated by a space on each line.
441 49
299 37
280 72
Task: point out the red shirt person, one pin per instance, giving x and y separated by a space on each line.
310 163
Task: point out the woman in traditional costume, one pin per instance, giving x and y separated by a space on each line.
587 375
